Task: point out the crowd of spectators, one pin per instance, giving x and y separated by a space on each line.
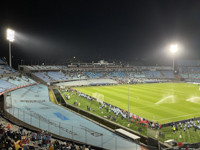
132 117
186 125
64 75
13 137
117 111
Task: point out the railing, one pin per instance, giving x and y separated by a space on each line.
17 87
81 134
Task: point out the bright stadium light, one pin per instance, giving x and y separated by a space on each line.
10 35
10 38
173 50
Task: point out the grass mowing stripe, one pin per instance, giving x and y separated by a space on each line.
134 92
142 98
169 88
189 136
101 90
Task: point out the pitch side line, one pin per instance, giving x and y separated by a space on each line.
177 117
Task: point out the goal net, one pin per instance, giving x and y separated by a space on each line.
98 96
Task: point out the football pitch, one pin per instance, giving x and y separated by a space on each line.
158 102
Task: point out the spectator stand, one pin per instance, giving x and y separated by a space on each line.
14 136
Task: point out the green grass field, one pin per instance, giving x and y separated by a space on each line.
159 102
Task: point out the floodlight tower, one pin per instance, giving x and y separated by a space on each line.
128 99
10 38
173 50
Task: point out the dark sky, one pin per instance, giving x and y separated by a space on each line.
98 29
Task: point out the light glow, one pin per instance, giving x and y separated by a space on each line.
10 35
174 48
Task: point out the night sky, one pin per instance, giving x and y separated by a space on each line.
98 29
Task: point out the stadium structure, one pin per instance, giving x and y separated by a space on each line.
106 105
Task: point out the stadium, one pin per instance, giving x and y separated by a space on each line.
100 75
88 103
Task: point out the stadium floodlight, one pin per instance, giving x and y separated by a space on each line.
10 35
10 38
173 50
128 100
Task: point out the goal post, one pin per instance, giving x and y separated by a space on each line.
99 97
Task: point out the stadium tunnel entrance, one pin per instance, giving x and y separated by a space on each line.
1 103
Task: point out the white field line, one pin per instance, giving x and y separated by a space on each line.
177 117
